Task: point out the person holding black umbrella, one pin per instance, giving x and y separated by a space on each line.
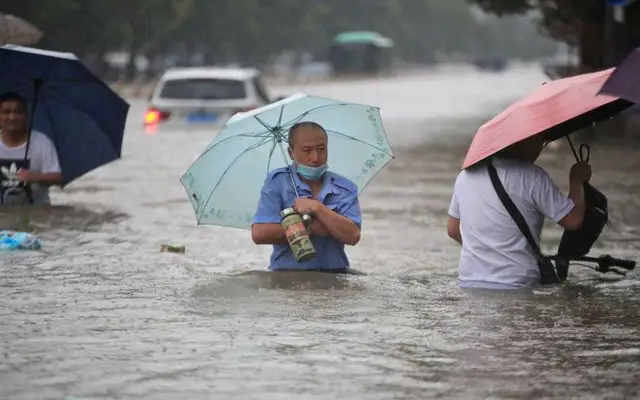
28 162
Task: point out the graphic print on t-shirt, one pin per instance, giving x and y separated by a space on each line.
13 191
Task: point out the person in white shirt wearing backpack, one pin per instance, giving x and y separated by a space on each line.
495 254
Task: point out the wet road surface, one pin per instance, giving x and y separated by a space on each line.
100 313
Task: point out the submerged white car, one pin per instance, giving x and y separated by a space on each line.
198 96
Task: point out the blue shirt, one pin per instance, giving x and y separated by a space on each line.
338 194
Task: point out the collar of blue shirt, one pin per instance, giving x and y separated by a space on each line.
304 190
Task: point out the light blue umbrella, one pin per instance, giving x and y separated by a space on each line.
224 183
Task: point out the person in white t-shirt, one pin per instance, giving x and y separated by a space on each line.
495 254
44 167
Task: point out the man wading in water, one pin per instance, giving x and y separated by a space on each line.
495 254
24 181
329 198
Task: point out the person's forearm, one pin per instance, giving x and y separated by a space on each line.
317 228
453 229
53 178
268 234
576 193
273 234
339 227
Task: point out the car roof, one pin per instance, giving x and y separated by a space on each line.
209 72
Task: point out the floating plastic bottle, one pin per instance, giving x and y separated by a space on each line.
10 240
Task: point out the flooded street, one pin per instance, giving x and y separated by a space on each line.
100 313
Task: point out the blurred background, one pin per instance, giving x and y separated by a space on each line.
124 39
131 43
100 312
136 40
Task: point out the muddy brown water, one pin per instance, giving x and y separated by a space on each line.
100 313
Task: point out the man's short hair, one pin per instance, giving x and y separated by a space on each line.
12 96
303 124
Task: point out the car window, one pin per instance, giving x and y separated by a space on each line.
204 89
260 90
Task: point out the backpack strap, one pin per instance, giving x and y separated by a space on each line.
517 217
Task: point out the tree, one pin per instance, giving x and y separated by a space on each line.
252 31
580 23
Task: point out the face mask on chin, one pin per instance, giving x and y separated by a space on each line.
310 173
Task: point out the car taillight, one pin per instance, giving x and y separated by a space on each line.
154 116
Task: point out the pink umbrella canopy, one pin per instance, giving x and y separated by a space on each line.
556 109
14 30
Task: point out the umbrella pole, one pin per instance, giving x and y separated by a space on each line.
306 219
37 85
575 154
293 182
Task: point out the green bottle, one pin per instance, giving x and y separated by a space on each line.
295 231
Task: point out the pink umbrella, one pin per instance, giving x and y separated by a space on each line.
556 109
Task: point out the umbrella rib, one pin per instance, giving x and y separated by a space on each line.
212 146
280 116
301 116
66 82
231 164
297 119
273 148
266 126
52 69
360 141
275 130
53 125
13 67
69 103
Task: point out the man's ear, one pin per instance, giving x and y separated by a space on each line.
290 153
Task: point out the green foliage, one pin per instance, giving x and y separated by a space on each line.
253 30
578 22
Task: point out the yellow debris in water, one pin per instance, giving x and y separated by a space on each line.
172 248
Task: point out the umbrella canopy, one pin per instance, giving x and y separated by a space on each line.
224 183
14 30
83 117
624 82
556 109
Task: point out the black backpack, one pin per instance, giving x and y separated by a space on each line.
578 243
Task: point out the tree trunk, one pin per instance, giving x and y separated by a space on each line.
131 70
592 36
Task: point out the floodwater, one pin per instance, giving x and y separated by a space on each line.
100 313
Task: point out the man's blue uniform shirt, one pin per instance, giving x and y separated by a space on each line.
338 194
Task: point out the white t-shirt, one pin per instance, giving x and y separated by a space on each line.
495 254
43 158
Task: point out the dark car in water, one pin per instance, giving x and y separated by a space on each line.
491 63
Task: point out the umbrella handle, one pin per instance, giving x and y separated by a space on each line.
584 148
584 151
